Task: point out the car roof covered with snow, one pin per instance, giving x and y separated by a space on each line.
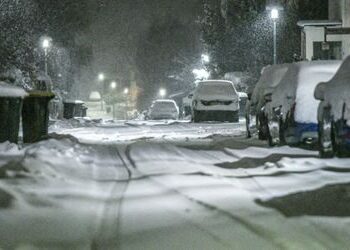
337 91
298 85
270 78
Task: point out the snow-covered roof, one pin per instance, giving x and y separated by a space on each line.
74 101
165 100
214 81
305 23
7 90
95 96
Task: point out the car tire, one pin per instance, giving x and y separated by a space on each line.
247 125
196 116
274 133
262 127
325 134
235 116
338 140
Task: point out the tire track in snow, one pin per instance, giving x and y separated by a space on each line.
108 231
256 229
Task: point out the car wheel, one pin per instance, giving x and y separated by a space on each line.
273 133
235 116
262 127
248 125
339 145
325 141
196 116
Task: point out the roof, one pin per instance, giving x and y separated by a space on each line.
215 81
304 23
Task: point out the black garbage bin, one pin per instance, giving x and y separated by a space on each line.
10 112
84 111
35 116
73 109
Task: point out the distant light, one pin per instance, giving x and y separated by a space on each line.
101 77
201 74
274 13
113 85
162 92
46 43
126 91
205 58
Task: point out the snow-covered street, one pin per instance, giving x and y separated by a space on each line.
167 185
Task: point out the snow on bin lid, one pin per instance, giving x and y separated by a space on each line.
7 90
74 101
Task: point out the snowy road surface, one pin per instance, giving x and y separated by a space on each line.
165 185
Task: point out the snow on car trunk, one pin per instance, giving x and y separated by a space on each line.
216 90
337 92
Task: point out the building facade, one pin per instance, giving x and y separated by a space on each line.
327 39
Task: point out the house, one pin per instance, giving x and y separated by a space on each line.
327 39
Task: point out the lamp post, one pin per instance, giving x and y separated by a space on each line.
101 78
46 45
274 16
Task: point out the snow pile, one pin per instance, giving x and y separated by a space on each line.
298 85
337 92
7 90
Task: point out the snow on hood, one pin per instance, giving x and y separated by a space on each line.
298 85
337 91
7 90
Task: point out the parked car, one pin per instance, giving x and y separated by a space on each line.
163 109
334 113
256 119
215 100
292 109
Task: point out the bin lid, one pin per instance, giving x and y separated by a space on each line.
7 90
40 93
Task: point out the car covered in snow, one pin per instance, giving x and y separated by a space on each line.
255 116
163 109
292 108
215 100
334 113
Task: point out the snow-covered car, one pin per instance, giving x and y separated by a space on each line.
256 119
163 109
334 113
292 109
215 100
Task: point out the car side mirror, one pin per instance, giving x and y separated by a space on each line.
320 91
268 98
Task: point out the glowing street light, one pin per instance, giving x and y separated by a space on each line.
126 91
113 85
205 58
101 77
274 14
46 43
162 92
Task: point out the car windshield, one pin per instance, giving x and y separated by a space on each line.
164 106
216 88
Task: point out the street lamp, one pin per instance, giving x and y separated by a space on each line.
162 92
205 58
113 85
126 91
46 46
274 14
101 77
